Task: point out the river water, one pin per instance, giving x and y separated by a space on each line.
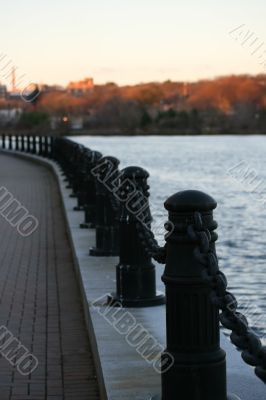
232 169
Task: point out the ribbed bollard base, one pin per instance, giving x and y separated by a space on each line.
72 195
102 253
114 300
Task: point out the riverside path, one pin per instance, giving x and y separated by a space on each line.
40 304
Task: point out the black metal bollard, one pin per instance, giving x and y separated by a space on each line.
73 171
58 148
28 144
135 273
40 146
10 142
192 321
33 149
22 143
107 228
79 186
46 147
51 147
3 141
90 190
16 143
74 174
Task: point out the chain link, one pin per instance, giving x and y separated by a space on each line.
150 244
242 336
142 215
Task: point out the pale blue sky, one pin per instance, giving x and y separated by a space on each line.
129 41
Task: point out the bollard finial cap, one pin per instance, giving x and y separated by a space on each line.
134 172
111 159
189 201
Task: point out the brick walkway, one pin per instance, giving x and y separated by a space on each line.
40 299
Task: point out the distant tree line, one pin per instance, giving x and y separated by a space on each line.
232 104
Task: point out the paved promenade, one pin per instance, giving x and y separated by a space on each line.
40 300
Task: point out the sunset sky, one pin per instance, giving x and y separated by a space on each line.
55 41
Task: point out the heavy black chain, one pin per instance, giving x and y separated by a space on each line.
150 244
143 221
242 336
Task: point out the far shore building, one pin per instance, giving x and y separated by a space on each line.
80 88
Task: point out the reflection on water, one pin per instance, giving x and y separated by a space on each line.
179 163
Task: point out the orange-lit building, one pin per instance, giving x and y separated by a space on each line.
80 87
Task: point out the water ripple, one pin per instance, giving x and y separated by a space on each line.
180 163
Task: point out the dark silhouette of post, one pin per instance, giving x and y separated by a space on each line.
135 273
16 143
71 164
79 186
106 223
33 150
51 147
75 174
89 205
192 321
22 142
28 143
40 152
10 142
46 146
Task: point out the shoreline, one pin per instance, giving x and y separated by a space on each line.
117 133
